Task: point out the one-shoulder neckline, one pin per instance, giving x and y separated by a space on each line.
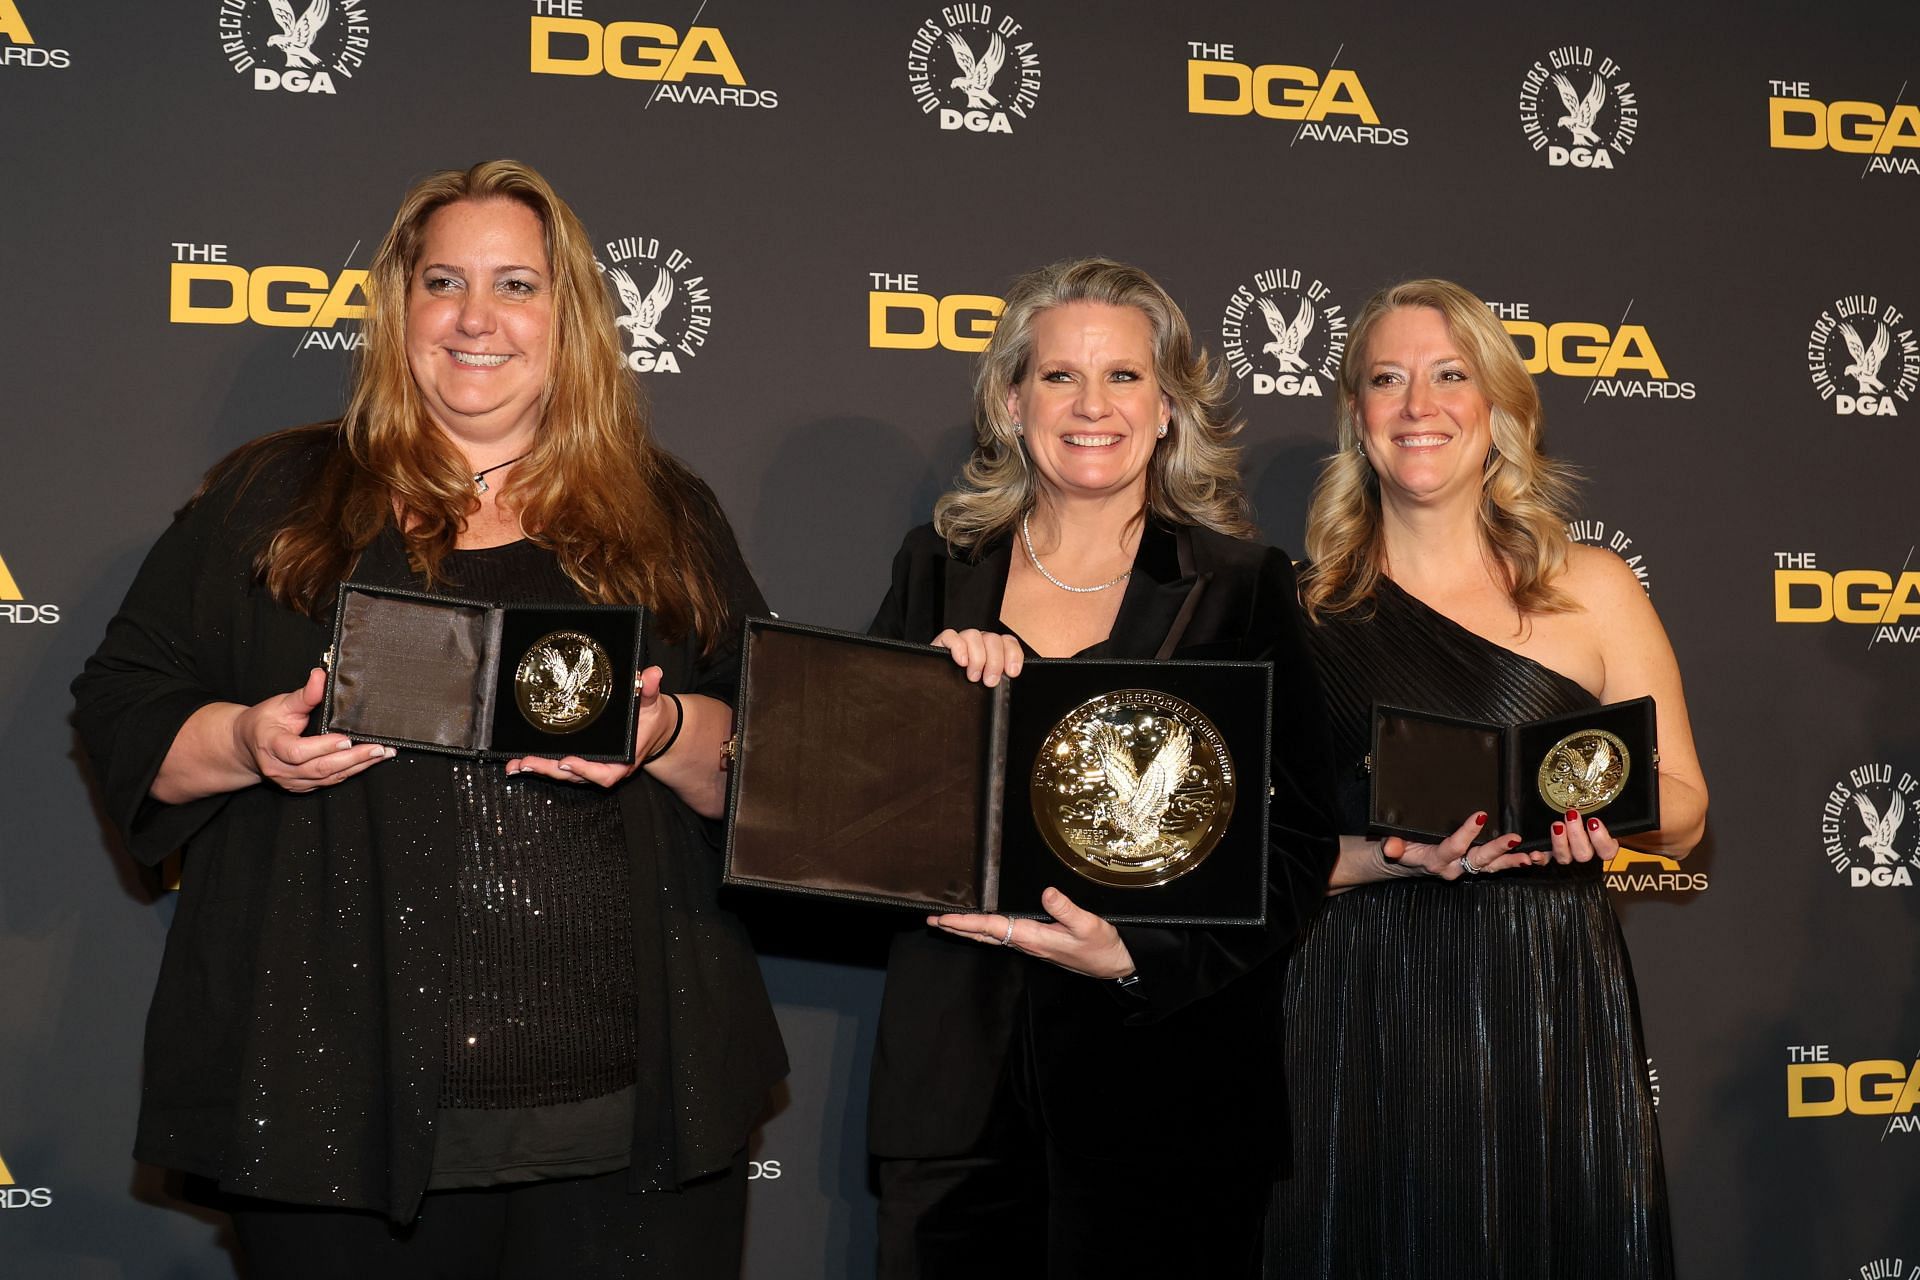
1560 676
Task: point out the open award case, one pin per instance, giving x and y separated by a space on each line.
874 771
1429 772
470 678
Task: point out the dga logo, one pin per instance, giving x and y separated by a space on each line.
975 71
1286 333
299 50
1867 830
1621 359
1594 533
1804 592
18 47
13 1196
900 317
1818 1087
1798 121
1637 871
13 606
1863 356
667 308
683 69
204 287
1578 108
1333 107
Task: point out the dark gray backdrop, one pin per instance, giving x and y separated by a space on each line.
1771 983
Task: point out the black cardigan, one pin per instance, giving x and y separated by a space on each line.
293 1046
1191 1068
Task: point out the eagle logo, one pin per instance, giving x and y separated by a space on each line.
1287 338
1581 111
1140 799
643 316
1586 770
563 701
1867 360
1881 831
297 34
976 77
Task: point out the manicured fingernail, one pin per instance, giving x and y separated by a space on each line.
566 768
1479 819
1573 815
1559 828
1593 824
1513 843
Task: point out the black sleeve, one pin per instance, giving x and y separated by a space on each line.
716 672
162 660
1179 966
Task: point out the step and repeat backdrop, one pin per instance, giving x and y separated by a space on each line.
1698 223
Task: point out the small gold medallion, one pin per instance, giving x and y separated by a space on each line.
1585 771
564 681
1133 788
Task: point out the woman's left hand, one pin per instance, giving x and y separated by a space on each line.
1582 840
1074 939
657 720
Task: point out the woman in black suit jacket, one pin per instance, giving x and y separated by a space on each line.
1118 1111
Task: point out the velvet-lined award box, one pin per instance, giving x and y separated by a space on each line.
1430 772
874 771
489 681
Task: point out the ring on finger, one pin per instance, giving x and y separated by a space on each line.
1466 864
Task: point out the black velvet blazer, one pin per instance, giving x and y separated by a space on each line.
1190 1065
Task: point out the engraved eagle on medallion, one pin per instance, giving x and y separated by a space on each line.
1867 360
1584 771
1140 798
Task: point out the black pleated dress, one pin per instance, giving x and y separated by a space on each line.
1469 1082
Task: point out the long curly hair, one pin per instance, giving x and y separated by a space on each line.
1525 495
628 522
1193 477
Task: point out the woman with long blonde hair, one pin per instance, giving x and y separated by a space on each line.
420 1014
1063 1097
1463 1036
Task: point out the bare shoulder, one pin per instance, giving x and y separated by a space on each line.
1602 583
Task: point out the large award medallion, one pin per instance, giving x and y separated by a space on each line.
1584 771
1133 788
564 681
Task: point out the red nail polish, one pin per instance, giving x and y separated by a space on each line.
1479 819
1513 844
1559 828
1573 815
1593 824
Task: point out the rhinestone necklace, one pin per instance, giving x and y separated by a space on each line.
1027 538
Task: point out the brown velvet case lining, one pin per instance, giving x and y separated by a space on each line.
415 671
1431 771
804 808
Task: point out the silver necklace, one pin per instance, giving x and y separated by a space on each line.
1026 538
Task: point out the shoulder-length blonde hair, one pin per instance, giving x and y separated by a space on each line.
629 524
1193 476
1525 495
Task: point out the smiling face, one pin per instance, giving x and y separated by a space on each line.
1090 406
479 316
1423 420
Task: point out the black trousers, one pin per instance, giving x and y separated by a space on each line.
562 1229
1023 1203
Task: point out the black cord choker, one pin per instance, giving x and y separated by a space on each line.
480 477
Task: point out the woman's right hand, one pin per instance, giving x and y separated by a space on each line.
986 655
1448 858
271 738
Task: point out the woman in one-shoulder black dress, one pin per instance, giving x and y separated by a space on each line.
1471 1096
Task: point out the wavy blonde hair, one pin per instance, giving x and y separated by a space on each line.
629 523
1193 476
1525 495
